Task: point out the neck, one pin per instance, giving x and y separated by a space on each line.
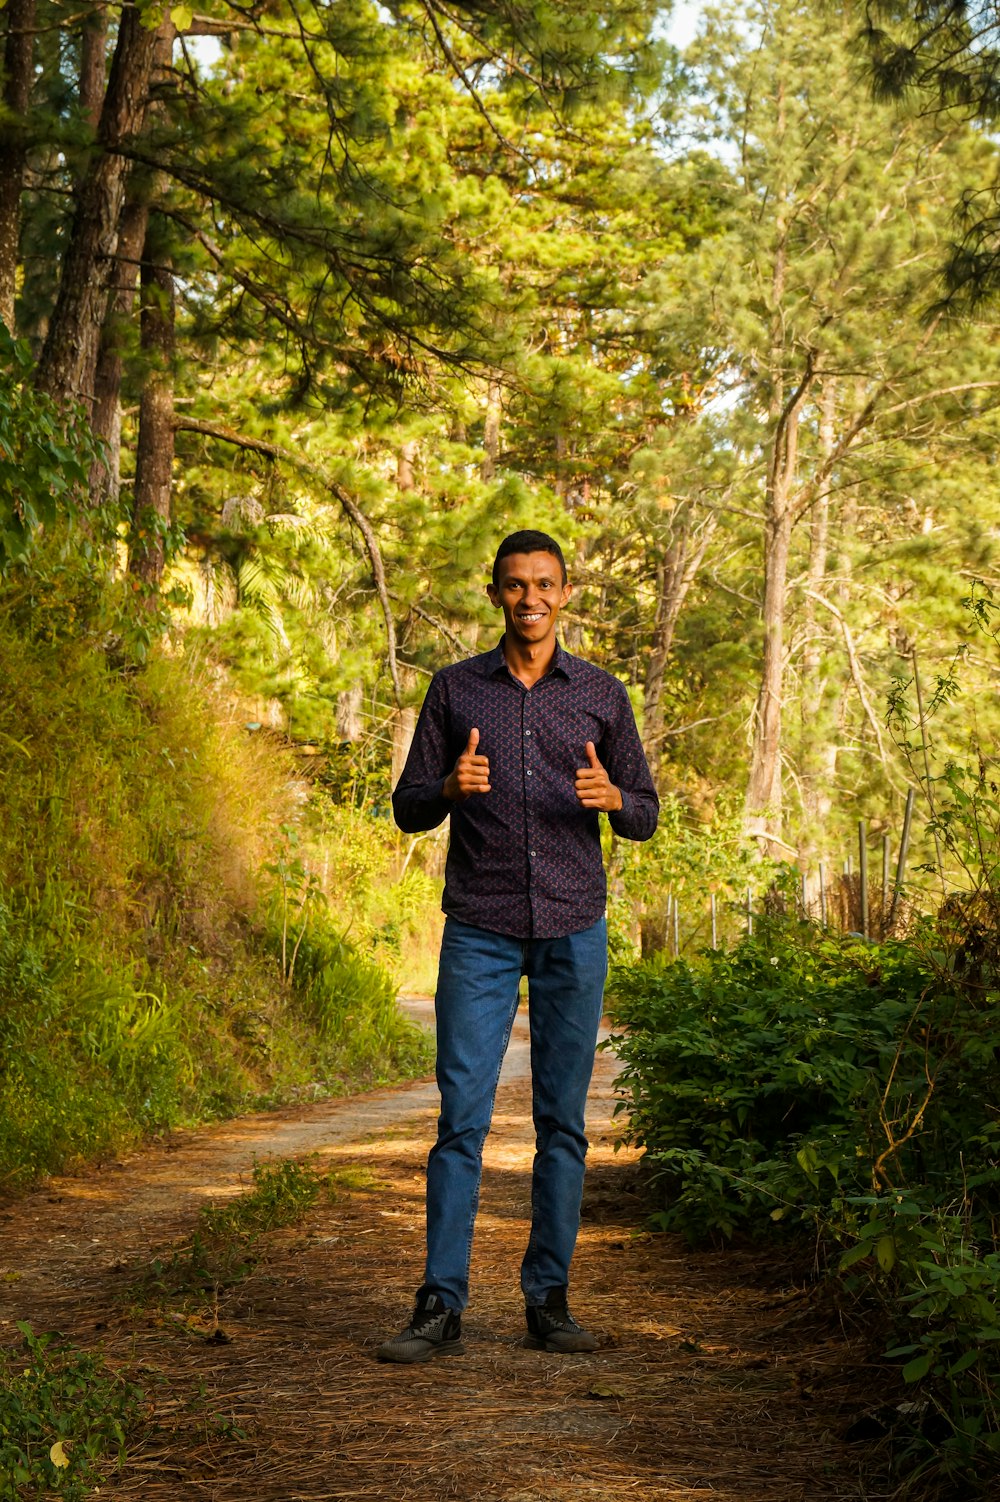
529 661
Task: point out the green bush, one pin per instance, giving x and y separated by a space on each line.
754 1077
806 1081
64 1419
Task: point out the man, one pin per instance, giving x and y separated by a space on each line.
524 747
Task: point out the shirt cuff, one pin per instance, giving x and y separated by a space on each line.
621 819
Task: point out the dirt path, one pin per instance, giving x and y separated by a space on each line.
707 1386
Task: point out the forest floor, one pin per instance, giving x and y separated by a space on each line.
715 1378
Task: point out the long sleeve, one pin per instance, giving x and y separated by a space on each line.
625 761
418 802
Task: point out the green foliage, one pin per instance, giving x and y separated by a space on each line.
64 1417
350 1003
87 1060
283 1190
804 1082
688 859
136 964
45 457
754 1077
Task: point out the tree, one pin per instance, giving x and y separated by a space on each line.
945 54
829 372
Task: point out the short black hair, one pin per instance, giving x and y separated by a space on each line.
528 542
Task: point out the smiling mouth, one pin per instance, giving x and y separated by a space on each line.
528 618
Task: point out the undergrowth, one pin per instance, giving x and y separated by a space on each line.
222 1249
65 1419
138 972
811 1083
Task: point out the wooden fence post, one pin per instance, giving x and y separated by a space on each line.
903 846
863 875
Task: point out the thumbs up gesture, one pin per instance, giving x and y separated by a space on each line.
471 773
594 787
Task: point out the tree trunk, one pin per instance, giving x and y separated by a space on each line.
764 793
676 571
404 723
92 66
817 743
763 800
67 367
18 65
155 448
106 417
350 703
491 432
404 464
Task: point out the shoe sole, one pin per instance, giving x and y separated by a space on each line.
446 1348
535 1343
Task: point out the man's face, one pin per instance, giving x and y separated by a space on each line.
531 594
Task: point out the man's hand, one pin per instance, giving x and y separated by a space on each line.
594 787
471 773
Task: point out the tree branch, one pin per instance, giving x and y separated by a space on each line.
856 675
347 503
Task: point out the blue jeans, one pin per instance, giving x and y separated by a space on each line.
475 1006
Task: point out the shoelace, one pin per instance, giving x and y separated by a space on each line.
421 1322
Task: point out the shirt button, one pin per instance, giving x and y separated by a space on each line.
529 771
527 732
532 855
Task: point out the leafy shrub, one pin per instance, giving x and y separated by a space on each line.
753 1077
45 456
64 1419
283 1190
811 1081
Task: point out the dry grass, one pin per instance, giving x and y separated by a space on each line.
708 1384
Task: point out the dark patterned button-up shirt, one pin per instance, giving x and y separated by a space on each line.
525 858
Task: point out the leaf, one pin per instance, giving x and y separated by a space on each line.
885 1253
182 17
854 1254
58 1456
604 1390
918 1367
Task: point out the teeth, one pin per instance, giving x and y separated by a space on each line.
530 618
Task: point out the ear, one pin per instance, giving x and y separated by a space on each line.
494 595
567 590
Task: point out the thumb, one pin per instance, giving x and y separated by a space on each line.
470 749
592 756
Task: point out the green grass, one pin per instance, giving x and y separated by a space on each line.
139 982
223 1248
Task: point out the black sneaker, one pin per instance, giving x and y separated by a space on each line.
551 1327
434 1330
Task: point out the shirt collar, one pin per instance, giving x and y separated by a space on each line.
495 662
